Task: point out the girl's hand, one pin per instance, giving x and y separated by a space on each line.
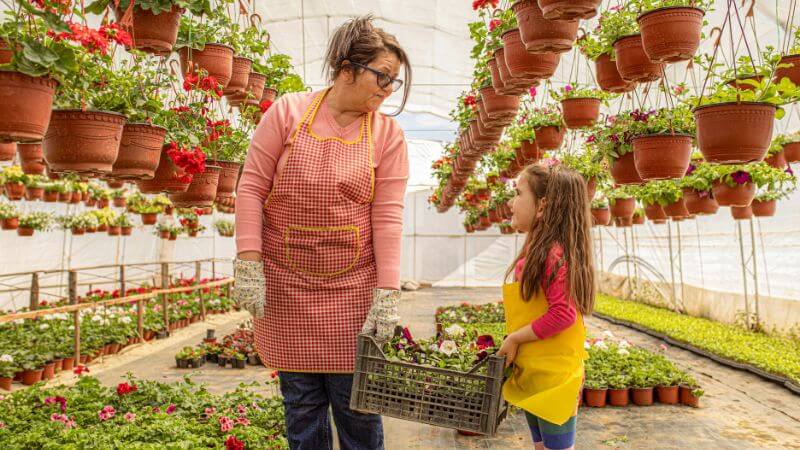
509 349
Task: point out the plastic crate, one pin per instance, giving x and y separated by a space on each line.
447 398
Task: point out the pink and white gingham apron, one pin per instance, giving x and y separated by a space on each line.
318 255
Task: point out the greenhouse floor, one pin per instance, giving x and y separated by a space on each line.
738 411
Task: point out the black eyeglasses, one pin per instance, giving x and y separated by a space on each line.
382 79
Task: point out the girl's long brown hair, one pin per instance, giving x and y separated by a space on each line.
564 221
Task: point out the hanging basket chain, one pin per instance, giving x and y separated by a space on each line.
713 56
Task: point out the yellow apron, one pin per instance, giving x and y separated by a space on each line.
547 374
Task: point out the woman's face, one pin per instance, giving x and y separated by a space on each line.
365 94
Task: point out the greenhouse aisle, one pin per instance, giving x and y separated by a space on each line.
738 411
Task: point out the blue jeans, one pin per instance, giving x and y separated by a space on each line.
306 397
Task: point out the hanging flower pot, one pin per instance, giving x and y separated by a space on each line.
734 132
792 72
269 94
549 138
676 209
522 64
671 34
252 94
15 191
201 192
126 231
34 193
51 196
540 35
76 231
240 75
149 218
7 151
654 212
739 195
153 33
601 216
485 119
227 177
791 152
216 59
778 160
167 177
139 151
632 62
699 202
83 142
499 106
662 156
10 223
580 112
638 219
119 202
530 151
764 208
31 158
25 231
569 9
741 212
27 104
497 82
608 77
114 230
622 207
623 170
512 85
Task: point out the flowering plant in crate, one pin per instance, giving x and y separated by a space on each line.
455 348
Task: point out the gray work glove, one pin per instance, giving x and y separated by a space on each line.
249 289
382 318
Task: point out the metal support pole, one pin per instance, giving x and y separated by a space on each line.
744 274
140 319
197 274
755 272
122 287
76 315
34 300
164 303
635 260
671 264
680 260
627 260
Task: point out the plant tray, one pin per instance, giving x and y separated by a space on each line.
466 401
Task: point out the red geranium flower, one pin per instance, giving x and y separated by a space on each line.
125 388
189 83
265 105
478 4
232 443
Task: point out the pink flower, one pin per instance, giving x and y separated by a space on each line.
663 347
242 421
2 424
70 423
225 424
532 91
130 417
210 411
56 417
485 341
241 409
60 400
567 88
106 413
740 177
171 409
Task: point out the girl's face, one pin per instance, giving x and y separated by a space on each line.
525 206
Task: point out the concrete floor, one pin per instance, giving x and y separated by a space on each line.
738 411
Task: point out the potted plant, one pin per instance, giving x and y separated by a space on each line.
776 155
225 228
163 230
765 200
638 216
118 197
9 216
114 228
183 357
613 141
621 201
600 212
594 389
697 188
618 391
642 382
580 106
548 127
671 29
34 221
125 224
596 48
589 164
522 64
662 142
734 185
540 35
8 368
620 28
667 389
13 180
34 187
666 194
149 211
198 43
32 366
51 191
239 360
229 150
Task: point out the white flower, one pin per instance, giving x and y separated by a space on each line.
464 319
71 327
433 347
624 344
6 358
19 321
586 344
44 326
96 318
601 345
448 347
126 319
608 334
454 330
623 352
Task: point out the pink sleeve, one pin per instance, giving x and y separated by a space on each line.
259 168
561 313
391 176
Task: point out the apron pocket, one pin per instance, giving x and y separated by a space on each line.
322 251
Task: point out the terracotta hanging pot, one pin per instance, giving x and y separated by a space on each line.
778 160
530 151
662 156
791 152
622 207
601 216
497 82
512 85
149 218
31 158
522 64
113 183
676 209
83 142
34 193
165 178
623 170
216 59
499 106
623 222
240 74
739 195
791 72
15 191
139 151
7 151
655 212
481 141
608 77
764 208
483 117
580 112
253 92
632 62
269 94
734 132
153 33
741 212
638 219
228 177
569 9
27 104
549 138
114 230
699 203
671 34
540 35
201 192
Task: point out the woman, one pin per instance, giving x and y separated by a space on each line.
318 224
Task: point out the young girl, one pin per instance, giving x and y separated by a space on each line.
553 289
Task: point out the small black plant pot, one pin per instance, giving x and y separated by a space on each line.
211 358
197 362
253 359
210 333
222 361
239 363
162 334
182 363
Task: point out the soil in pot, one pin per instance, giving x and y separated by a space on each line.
741 212
739 195
618 397
580 112
662 156
642 396
549 138
83 142
734 132
30 377
522 64
216 59
31 158
569 9
608 77
676 209
153 33
595 398
623 170
27 106
540 35
667 395
764 208
139 151
670 35
632 62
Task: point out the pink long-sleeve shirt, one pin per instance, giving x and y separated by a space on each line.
267 157
561 312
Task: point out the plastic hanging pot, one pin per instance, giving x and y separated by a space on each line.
31 158
792 72
240 74
201 192
7 151
654 211
778 160
671 34
540 35
632 62
228 177
511 85
580 112
676 208
165 178
764 208
601 216
608 77
139 151
550 137
252 93
734 133
216 59
791 152
738 195
522 64
662 156
622 207
27 105
699 203
741 212
499 106
569 9
153 33
623 170
83 142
